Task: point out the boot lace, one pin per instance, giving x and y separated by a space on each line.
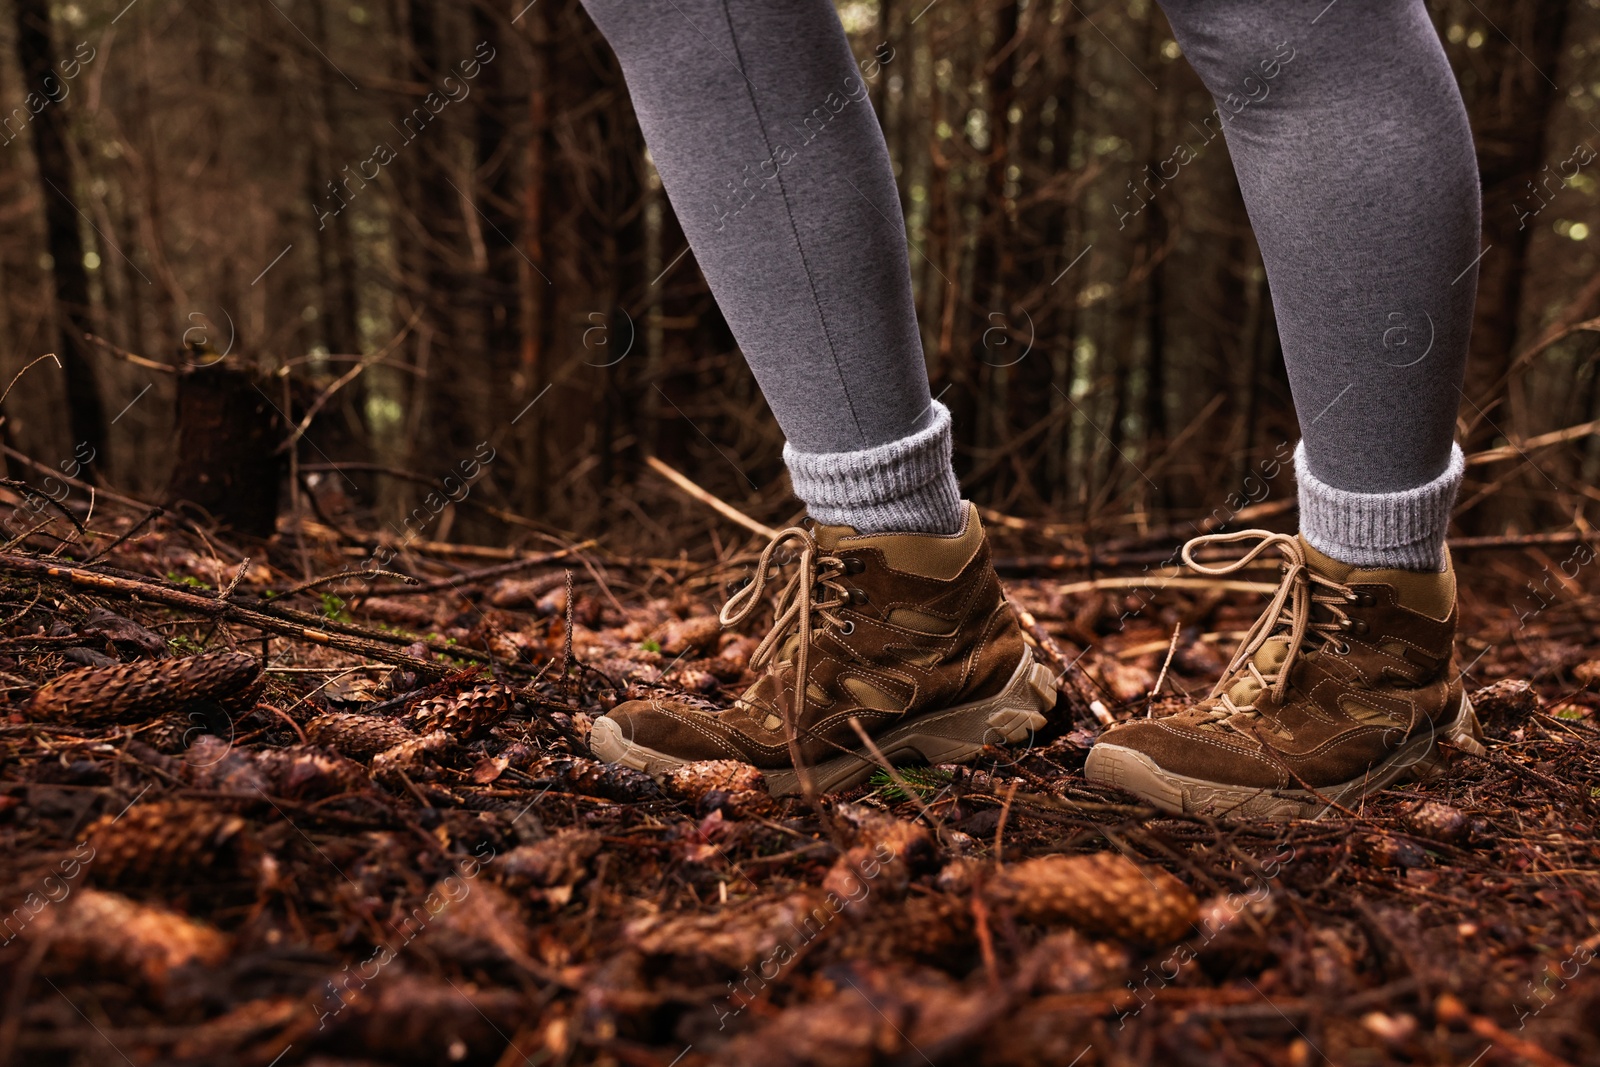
1290 615
812 595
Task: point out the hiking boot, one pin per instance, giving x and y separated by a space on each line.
1342 687
906 636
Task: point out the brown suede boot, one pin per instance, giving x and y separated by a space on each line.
908 635
1341 688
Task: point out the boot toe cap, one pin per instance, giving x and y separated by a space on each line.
1202 756
666 728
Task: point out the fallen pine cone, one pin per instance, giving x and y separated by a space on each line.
736 788
214 764
1381 850
872 1014
1437 821
1588 673
123 938
360 737
524 592
625 669
697 634
693 781
561 859
1506 704
695 680
1100 893
552 603
733 656
575 774
873 826
516 647
304 772
928 929
405 613
138 691
172 731
738 934
464 715
163 842
884 854
406 754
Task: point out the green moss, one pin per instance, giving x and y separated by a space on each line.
924 781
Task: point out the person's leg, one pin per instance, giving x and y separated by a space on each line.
758 121
1354 154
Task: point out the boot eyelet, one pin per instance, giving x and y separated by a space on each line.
1342 648
858 596
847 628
854 565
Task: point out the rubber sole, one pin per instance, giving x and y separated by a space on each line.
1134 772
951 735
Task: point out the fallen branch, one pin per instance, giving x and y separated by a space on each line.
281 621
345 379
721 507
30 493
1544 440
1564 537
482 574
329 579
18 376
130 357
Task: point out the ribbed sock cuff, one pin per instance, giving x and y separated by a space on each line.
905 486
1404 529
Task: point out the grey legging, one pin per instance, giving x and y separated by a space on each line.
1345 127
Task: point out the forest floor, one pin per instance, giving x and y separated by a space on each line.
356 823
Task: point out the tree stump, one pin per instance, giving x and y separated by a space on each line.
228 464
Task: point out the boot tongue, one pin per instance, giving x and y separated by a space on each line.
1269 657
1267 660
1324 564
828 537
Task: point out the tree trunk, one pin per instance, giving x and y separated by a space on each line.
495 194
1511 140
86 417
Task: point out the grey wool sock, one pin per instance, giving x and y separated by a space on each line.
904 486
1403 529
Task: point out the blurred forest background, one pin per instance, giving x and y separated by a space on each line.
504 315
